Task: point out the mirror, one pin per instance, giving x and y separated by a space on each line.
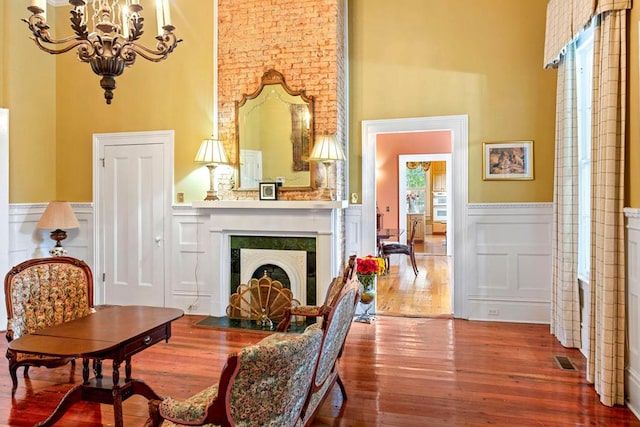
274 136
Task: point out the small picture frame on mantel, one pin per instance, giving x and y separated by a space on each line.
268 191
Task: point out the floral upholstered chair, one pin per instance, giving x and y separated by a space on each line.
266 384
40 293
336 286
335 326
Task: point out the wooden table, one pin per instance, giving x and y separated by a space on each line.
114 333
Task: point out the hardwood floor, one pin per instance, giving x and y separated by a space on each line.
401 293
399 372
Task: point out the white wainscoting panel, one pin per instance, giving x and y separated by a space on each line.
191 279
26 241
510 258
633 310
353 231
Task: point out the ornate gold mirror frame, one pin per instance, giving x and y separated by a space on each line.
274 136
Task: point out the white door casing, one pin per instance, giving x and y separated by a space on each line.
133 183
459 127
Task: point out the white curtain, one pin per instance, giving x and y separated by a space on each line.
608 295
565 299
607 282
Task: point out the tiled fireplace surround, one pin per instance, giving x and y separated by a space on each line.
313 219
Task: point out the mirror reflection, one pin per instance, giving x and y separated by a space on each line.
274 136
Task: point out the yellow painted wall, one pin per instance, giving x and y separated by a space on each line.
432 58
3 52
632 172
411 58
174 94
29 92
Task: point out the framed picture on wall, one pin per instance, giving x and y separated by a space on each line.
508 160
268 191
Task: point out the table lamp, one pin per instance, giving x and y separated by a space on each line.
212 154
58 216
327 151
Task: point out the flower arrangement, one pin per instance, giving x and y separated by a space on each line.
367 268
411 196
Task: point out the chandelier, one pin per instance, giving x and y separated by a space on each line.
114 42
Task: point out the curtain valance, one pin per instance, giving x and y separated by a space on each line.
566 18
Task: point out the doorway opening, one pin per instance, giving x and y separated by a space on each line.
423 183
458 126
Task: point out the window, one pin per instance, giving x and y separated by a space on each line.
584 74
416 185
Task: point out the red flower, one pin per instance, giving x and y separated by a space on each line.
370 265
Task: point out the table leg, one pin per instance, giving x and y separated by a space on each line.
116 393
141 388
97 368
116 373
74 395
117 407
127 369
85 371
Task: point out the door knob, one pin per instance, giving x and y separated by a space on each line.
158 239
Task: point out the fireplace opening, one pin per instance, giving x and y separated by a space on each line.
275 272
306 246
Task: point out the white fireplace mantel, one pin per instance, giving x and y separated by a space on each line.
271 204
279 218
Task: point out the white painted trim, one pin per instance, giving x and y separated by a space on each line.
494 207
4 203
632 212
459 127
346 91
517 237
632 370
165 137
270 204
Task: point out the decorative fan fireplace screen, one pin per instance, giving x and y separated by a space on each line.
263 300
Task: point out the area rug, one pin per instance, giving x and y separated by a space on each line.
226 323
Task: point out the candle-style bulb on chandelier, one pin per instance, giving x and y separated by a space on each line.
114 42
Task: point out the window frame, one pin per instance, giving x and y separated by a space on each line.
584 85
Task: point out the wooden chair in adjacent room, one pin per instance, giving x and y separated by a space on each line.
391 248
40 293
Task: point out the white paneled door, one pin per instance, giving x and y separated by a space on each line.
133 224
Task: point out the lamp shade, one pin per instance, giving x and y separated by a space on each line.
211 152
326 149
58 215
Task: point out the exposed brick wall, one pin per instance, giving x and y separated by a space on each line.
302 39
